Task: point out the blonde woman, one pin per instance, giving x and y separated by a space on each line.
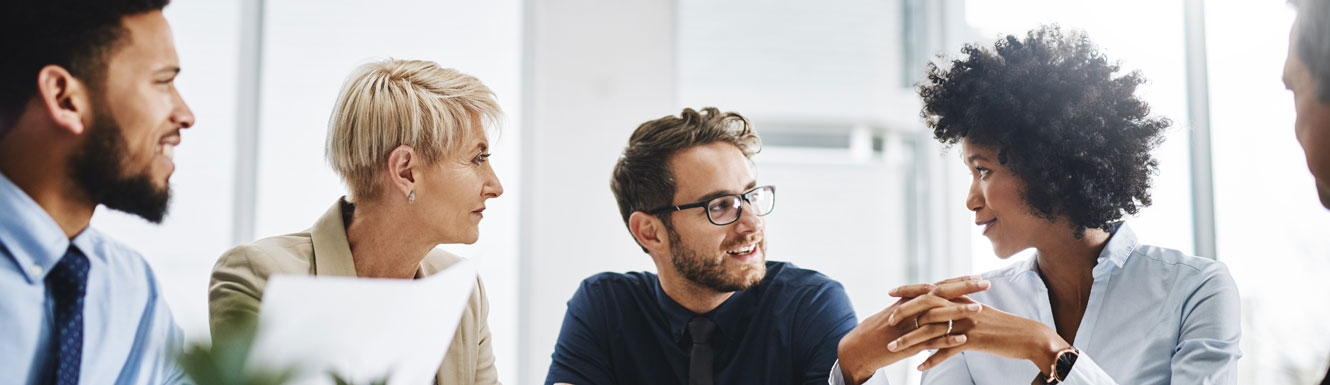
408 139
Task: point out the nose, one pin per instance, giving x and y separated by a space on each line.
748 222
182 116
975 199
493 187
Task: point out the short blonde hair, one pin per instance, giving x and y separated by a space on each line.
391 103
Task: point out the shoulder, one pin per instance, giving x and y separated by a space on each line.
1012 271
439 260
283 254
123 263
612 284
1162 258
1184 273
808 293
615 291
787 276
816 302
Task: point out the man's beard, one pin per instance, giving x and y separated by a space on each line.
98 168
705 270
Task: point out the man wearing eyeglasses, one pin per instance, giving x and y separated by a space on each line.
718 312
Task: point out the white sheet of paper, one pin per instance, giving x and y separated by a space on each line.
365 330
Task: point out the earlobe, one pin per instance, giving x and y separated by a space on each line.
64 97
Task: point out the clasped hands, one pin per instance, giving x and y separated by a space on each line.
941 316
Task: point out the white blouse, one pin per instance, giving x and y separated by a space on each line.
1155 316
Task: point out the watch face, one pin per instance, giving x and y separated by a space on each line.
1065 361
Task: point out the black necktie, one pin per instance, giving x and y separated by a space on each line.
699 363
68 281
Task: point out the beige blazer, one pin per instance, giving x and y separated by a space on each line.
241 273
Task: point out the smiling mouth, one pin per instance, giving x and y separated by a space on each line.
743 252
988 225
166 148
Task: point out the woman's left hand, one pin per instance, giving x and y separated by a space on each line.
991 331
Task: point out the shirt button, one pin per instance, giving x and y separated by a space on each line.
35 269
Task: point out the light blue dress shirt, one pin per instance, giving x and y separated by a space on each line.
1155 316
129 336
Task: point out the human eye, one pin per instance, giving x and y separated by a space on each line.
482 158
722 205
165 80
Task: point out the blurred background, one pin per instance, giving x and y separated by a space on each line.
866 196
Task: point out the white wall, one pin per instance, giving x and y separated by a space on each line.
837 60
594 71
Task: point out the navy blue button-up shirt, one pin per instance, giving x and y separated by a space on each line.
624 329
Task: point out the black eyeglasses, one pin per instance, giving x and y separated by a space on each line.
725 209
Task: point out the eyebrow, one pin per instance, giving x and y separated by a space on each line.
717 193
483 146
974 157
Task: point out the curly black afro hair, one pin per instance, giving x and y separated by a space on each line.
1076 135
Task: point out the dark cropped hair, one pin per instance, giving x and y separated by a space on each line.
1313 42
79 35
1061 119
642 178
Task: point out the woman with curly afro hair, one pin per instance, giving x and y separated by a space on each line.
1058 146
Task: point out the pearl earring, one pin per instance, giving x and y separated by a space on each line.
411 198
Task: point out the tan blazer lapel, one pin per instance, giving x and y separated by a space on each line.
332 253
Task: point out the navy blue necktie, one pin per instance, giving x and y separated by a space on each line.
68 282
699 362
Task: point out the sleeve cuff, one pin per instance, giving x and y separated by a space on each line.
1087 372
879 377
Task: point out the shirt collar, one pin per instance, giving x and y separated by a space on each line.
332 252
1121 244
729 316
32 237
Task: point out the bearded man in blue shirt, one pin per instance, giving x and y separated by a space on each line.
89 115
